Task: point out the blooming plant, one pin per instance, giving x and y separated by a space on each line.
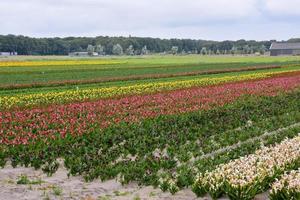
245 177
30 100
19 127
287 187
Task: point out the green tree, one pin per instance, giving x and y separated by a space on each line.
262 49
117 49
90 49
130 50
203 51
100 49
246 49
174 50
144 50
234 50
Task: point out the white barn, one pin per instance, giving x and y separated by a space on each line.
8 53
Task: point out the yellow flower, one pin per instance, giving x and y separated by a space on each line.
26 100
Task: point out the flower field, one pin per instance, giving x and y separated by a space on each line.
287 187
245 177
109 92
233 134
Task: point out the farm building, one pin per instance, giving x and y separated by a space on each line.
284 48
82 54
8 53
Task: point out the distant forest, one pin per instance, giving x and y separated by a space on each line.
127 45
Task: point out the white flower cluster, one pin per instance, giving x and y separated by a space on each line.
288 185
249 174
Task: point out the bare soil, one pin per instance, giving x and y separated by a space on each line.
60 186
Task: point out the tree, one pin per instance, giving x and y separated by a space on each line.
262 49
62 46
100 49
246 49
117 49
203 51
130 50
174 50
90 49
144 50
234 50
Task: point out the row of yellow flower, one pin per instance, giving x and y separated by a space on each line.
57 63
28 100
243 178
288 187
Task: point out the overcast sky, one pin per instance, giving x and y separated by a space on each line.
197 19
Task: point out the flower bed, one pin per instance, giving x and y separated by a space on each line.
18 127
31 100
287 187
245 177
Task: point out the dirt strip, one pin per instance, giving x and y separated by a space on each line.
60 186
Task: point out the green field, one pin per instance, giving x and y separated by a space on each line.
130 67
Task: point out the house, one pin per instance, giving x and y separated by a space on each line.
80 54
83 54
8 53
285 48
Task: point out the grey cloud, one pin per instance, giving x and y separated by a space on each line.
214 19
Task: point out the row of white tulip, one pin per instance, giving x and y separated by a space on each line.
287 187
243 178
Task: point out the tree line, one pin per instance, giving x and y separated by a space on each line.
105 45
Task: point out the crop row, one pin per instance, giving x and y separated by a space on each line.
139 151
82 86
214 148
20 127
245 177
136 77
287 187
57 63
30 100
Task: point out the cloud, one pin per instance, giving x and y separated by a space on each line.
283 7
214 19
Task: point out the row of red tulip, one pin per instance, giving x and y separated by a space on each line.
20 127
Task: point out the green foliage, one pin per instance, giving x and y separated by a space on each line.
117 49
203 51
285 194
164 147
174 50
90 49
57 191
130 50
24 180
131 69
62 46
100 49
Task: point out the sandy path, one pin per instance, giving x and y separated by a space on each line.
77 188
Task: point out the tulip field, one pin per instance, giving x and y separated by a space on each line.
221 126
